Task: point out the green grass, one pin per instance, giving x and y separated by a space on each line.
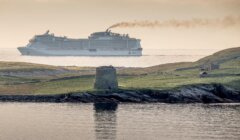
65 86
173 81
151 81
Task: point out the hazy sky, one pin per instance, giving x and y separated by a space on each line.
22 19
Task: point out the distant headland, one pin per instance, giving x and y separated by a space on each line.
212 79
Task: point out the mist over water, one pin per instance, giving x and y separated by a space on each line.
150 57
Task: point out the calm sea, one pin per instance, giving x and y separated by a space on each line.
150 57
66 121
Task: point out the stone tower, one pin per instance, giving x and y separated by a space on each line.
106 78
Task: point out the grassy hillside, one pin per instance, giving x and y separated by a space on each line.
18 66
27 78
222 56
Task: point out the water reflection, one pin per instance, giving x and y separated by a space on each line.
105 120
48 121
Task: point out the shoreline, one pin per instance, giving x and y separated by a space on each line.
200 93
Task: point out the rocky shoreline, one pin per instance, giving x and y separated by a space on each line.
203 93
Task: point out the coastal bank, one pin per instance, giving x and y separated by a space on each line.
202 93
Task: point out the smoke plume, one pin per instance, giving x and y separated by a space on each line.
195 22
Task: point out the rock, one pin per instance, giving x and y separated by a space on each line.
204 93
226 92
198 94
81 97
125 97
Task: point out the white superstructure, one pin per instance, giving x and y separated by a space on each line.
97 44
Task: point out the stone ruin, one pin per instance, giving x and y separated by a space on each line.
106 78
209 67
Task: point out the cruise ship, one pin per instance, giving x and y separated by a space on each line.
97 44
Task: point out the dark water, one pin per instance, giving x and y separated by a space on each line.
38 121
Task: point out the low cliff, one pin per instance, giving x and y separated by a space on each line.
204 93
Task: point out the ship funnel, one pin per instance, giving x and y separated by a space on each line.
108 30
46 33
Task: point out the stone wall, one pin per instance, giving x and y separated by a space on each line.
106 78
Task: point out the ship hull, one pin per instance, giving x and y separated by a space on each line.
97 44
55 52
